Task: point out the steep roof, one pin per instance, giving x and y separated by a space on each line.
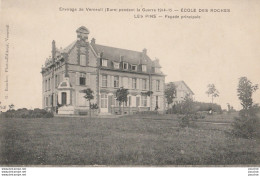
69 47
117 55
114 54
178 83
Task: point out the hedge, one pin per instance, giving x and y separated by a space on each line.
27 113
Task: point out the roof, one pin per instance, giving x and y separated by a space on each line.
114 54
69 47
178 83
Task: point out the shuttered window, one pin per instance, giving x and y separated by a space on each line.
134 83
144 84
144 101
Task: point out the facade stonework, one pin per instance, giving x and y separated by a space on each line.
103 69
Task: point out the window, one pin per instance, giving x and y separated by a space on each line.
104 80
125 82
157 85
104 63
143 68
56 78
144 84
49 84
51 100
134 83
83 60
134 67
46 85
116 81
130 100
46 101
82 79
157 70
137 101
144 101
125 65
157 101
103 100
116 65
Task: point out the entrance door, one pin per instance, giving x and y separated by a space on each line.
103 107
63 98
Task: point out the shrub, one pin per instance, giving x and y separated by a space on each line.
247 123
187 108
25 113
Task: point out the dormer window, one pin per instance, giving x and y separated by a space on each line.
116 65
157 70
134 67
125 65
104 62
144 68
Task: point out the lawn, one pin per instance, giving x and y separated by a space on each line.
133 140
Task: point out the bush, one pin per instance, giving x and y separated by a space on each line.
247 123
197 107
188 109
184 121
26 113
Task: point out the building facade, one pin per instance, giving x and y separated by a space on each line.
103 69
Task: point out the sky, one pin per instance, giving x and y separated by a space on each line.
218 48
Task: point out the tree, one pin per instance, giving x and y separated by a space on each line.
244 92
11 106
170 93
121 96
247 123
212 91
89 96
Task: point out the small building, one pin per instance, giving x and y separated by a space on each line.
182 90
103 69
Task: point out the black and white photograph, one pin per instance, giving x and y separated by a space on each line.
147 84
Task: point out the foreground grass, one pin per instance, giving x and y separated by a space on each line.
152 140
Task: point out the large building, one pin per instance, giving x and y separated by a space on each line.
103 69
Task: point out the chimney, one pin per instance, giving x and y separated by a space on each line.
82 33
144 51
93 41
53 50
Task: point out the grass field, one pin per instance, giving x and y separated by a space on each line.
132 140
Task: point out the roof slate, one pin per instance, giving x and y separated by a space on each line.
114 54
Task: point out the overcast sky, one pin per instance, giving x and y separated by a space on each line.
217 48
